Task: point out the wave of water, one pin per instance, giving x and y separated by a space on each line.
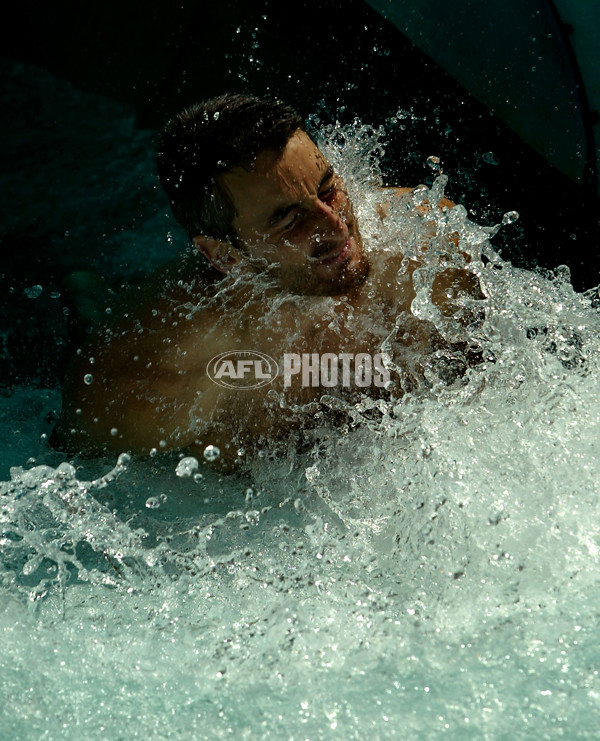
431 572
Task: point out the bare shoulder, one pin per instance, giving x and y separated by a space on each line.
391 193
388 196
397 190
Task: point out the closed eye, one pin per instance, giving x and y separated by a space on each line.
328 185
290 220
326 193
285 217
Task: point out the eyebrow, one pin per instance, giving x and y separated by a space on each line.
283 211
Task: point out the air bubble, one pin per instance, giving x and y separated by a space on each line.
88 378
211 453
153 502
186 467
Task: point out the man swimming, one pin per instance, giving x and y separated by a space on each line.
279 270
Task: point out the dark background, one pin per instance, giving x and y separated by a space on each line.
340 60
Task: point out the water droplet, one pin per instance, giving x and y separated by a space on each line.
562 274
114 431
510 217
211 453
88 378
490 158
123 459
312 473
33 291
186 467
434 163
153 502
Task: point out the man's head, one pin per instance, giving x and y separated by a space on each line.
249 185
209 139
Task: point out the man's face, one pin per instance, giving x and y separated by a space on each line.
293 214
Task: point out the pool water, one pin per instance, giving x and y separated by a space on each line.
430 571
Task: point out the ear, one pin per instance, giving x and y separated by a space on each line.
220 255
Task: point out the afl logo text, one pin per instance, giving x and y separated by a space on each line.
242 369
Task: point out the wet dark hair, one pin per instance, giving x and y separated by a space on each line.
209 139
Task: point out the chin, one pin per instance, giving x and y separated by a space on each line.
351 276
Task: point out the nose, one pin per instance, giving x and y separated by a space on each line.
328 221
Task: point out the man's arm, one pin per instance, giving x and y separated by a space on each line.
143 394
126 400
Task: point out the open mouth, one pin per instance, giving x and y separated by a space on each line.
339 254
